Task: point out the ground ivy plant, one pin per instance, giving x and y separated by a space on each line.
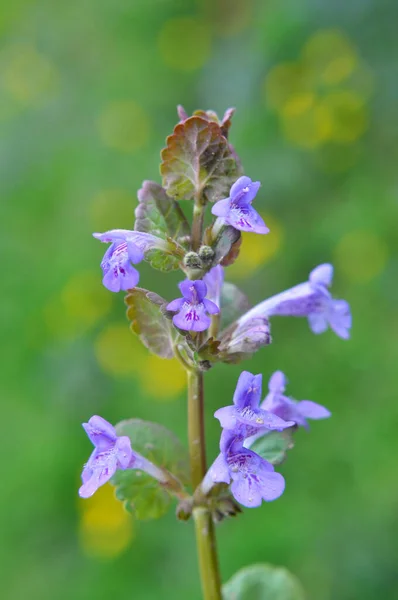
210 321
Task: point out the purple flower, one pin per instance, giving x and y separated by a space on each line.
245 418
119 274
237 210
289 409
111 452
126 247
193 306
311 299
253 478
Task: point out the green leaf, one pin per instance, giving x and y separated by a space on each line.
233 303
198 161
273 446
143 495
145 311
158 214
162 261
263 582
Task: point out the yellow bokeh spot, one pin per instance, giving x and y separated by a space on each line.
119 352
256 250
361 255
109 208
124 126
307 125
105 528
82 303
330 55
286 81
162 378
28 76
348 115
185 43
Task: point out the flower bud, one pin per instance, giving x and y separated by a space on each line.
206 254
192 260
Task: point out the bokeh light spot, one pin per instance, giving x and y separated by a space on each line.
161 378
330 54
348 115
124 126
82 303
28 76
361 255
185 43
306 124
256 250
118 351
110 208
286 81
105 528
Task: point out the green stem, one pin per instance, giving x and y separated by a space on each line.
207 554
215 325
197 224
205 534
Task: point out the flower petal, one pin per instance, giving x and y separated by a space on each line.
227 416
214 280
211 307
124 452
101 433
239 185
322 275
221 208
219 471
340 319
277 382
248 196
318 322
175 304
246 218
246 382
312 410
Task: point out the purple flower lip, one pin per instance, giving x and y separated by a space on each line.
110 453
237 210
252 478
245 417
287 408
310 299
193 307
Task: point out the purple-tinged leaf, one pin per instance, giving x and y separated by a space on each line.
144 310
159 214
198 161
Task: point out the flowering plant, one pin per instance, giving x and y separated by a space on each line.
145 462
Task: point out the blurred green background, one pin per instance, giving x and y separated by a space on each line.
88 95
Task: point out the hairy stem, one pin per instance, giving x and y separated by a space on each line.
205 534
197 224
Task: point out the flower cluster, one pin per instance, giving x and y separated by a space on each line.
252 478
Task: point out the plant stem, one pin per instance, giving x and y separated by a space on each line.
215 325
204 528
197 224
196 427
